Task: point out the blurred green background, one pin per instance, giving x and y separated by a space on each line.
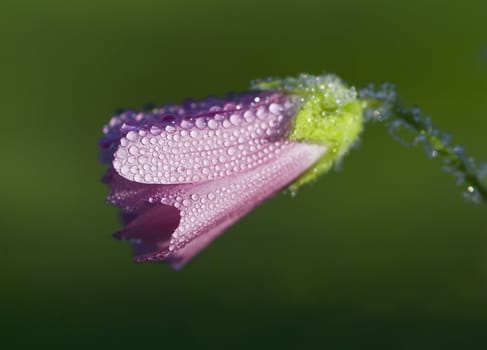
383 254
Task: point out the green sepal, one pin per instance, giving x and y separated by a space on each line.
330 114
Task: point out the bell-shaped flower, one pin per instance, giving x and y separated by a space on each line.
182 174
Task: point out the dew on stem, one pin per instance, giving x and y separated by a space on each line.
410 126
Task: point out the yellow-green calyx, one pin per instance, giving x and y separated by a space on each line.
330 114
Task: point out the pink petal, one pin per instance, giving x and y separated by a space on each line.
207 209
231 198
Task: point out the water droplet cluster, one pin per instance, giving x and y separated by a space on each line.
126 120
335 91
209 207
206 140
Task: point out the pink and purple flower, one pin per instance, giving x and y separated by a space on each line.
183 174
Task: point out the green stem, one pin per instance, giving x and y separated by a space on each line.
389 110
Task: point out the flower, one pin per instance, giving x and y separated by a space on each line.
182 174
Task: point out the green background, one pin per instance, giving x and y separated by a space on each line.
383 254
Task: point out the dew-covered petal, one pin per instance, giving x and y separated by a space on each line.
222 141
183 174
207 209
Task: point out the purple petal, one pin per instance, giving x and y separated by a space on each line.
205 146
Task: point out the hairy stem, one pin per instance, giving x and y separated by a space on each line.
382 105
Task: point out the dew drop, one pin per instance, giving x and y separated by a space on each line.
154 130
235 119
200 123
261 114
121 153
212 124
219 117
274 108
124 142
145 141
142 160
186 124
132 136
125 170
229 107
249 116
170 128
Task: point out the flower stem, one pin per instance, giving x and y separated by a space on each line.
382 106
